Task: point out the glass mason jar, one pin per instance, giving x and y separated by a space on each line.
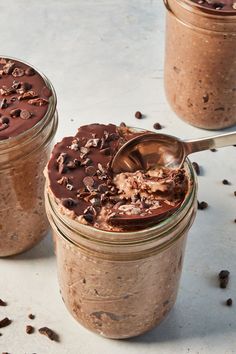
121 284
23 221
200 64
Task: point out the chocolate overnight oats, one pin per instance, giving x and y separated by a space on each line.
28 122
116 281
200 61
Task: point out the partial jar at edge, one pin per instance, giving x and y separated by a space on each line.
200 64
23 221
119 284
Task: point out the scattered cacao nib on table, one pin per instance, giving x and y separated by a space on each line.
202 205
226 182
229 302
196 168
2 303
29 329
31 316
213 150
5 322
49 333
138 115
157 126
223 278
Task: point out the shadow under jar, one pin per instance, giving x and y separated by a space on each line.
200 62
25 145
121 284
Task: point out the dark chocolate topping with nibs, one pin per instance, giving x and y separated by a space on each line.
23 97
81 180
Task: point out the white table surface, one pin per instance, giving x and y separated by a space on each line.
105 59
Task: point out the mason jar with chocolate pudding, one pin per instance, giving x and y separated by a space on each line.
116 280
28 122
200 61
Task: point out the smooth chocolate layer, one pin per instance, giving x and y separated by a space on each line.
82 182
23 98
223 5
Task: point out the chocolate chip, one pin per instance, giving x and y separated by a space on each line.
102 188
4 103
229 302
5 322
196 168
69 203
226 182
18 72
49 333
138 115
157 126
73 164
16 85
90 170
224 278
122 124
4 120
96 202
3 303
24 114
29 329
38 102
88 182
31 316
15 113
29 71
202 205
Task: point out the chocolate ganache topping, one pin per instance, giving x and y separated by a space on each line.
82 183
23 97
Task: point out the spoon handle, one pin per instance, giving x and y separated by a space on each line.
212 142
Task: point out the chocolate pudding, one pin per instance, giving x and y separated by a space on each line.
116 281
199 81
27 125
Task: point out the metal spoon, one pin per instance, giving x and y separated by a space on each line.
152 150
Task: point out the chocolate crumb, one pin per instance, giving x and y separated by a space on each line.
226 182
69 203
157 126
223 278
229 302
196 168
3 303
29 329
4 120
235 193
31 316
5 322
49 333
18 72
202 205
213 150
138 115
122 124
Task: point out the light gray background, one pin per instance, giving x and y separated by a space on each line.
105 59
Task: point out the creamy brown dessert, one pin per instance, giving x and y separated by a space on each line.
116 281
27 125
81 180
200 61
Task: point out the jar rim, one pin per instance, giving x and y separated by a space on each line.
25 136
